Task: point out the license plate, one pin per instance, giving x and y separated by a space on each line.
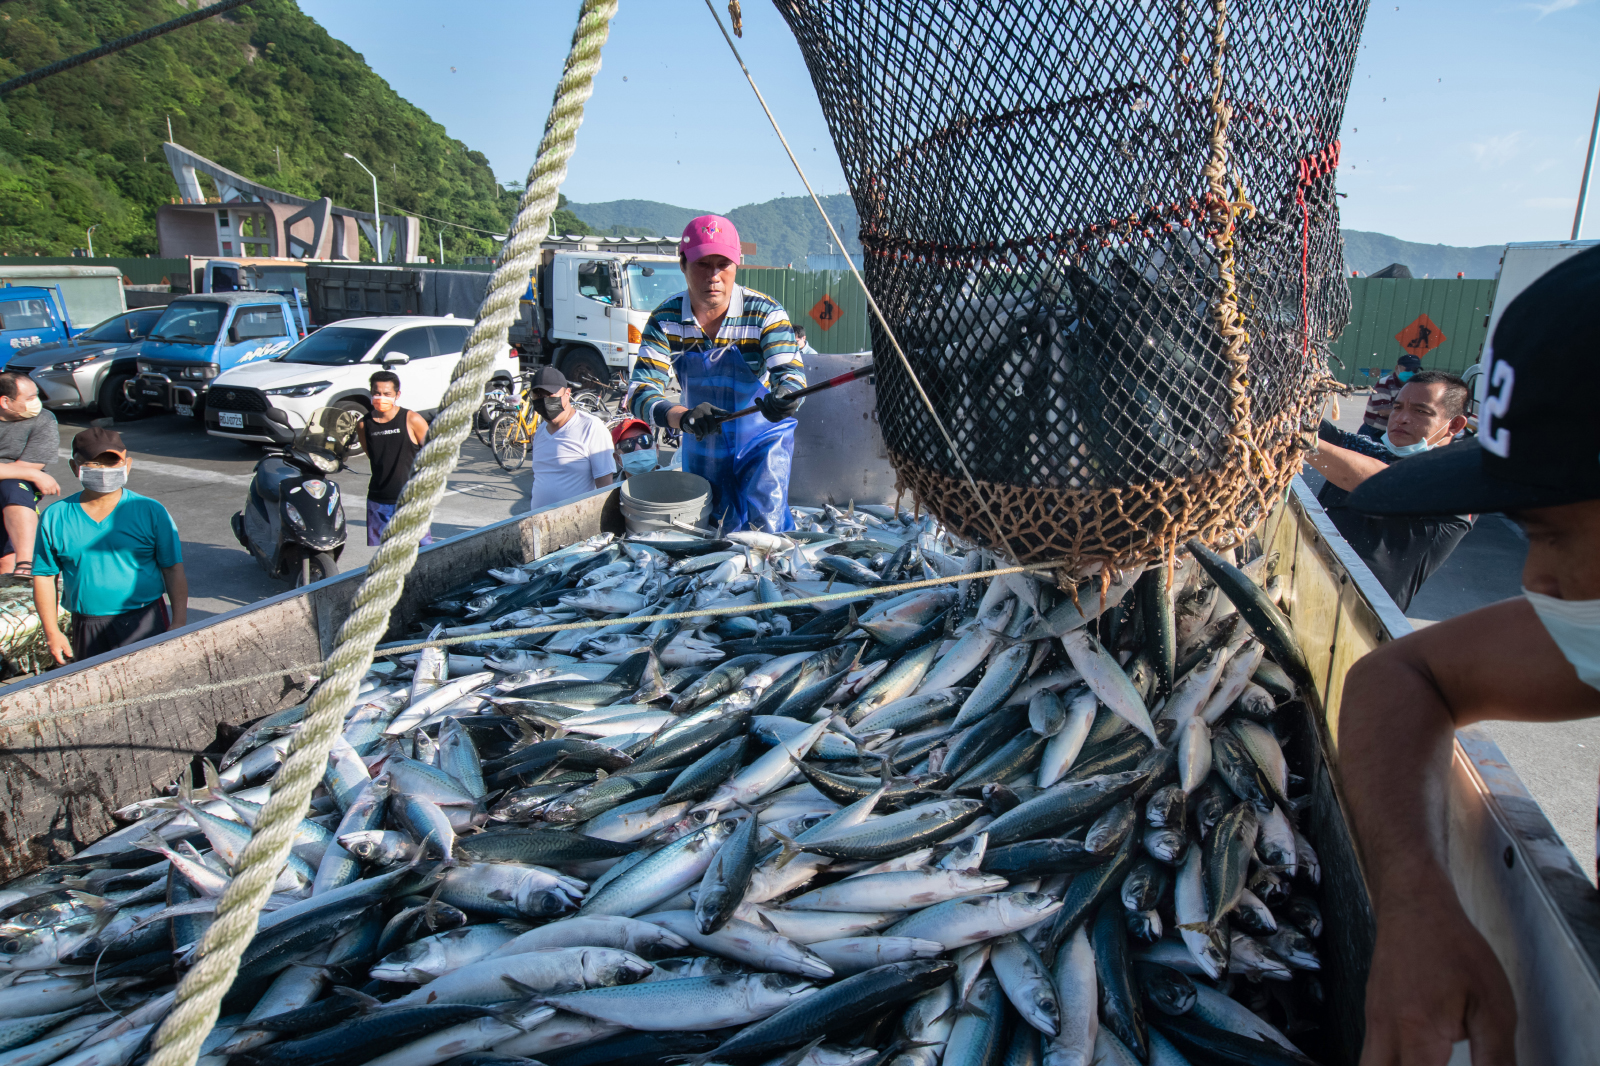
184 409
230 419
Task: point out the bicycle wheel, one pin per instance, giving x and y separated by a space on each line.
509 443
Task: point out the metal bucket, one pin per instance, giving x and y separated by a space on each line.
652 501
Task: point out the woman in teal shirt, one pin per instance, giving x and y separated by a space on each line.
116 552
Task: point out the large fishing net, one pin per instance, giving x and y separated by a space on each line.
1105 235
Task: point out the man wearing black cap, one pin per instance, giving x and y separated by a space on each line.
1434 979
116 552
571 450
1375 419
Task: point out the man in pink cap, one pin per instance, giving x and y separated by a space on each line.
730 348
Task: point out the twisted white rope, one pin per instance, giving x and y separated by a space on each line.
204 986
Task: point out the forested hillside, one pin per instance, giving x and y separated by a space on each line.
263 90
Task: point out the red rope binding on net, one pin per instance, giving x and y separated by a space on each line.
1316 166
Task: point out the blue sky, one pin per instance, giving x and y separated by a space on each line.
1467 121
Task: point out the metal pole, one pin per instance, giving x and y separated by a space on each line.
1588 165
89 235
377 219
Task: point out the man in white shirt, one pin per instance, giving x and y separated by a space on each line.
571 450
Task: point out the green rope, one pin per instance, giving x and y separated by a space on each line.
203 987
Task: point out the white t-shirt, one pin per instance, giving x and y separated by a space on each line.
567 462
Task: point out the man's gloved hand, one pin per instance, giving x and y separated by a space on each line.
702 420
778 404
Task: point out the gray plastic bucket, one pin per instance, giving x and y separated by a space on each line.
651 501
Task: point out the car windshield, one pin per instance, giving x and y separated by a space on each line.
333 346
190 323
113 330
651 283
25 314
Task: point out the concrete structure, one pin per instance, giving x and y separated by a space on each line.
252 219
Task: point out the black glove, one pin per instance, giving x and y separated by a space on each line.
702 420
778 404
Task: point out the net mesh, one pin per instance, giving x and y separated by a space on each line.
1105 235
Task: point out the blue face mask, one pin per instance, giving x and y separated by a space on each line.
1403 450
639 462
1405 375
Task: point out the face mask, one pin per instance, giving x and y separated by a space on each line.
1403 450
383 403
639 462
103 478
1404 375
1575 627
550 407
29 409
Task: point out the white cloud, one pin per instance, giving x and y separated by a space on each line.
1553 6
1496 151
1551 203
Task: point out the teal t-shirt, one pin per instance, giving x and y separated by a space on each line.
111 566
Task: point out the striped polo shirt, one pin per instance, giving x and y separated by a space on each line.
756 324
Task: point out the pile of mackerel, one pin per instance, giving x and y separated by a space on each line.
994 821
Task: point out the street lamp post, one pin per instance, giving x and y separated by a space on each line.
89 236
377 218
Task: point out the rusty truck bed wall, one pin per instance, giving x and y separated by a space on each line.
64 772
1519 883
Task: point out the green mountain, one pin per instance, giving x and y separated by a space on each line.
263 90
785 230
1368 252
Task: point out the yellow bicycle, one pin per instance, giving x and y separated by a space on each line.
512 433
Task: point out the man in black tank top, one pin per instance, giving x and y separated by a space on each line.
391 436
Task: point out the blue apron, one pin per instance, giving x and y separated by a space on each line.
747 460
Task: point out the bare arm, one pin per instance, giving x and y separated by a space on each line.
31 472
1342 466
1434 979
44 601
602 482
417 426
177 593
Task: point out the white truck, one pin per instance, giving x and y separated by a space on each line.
1520 264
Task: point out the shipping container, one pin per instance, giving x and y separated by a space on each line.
1442 320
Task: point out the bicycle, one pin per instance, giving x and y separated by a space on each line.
496 402
512 434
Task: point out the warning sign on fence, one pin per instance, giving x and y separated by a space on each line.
826 314
1421 337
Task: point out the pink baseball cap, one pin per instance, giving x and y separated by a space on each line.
709 235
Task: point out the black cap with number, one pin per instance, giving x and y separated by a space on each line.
1538 442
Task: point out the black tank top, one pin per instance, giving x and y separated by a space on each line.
390 450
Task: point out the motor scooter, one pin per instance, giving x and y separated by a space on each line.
293 518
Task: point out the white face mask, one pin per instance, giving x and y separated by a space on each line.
25 409
103 478
1403 450
1575 627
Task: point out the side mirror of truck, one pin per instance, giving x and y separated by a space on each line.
396 359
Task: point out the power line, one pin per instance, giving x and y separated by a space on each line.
442 222
119 44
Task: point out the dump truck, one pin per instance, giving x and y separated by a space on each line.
75 754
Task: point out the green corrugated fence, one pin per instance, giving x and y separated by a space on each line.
828 303
1443 319
134 271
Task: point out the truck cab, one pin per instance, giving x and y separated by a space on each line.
202 335
594 306
31 315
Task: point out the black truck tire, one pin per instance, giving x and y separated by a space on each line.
114 403
584 368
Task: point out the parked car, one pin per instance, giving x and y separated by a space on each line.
89 371
269 401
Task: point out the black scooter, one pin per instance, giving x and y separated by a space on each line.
293 519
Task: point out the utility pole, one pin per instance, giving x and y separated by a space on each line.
441 247
279 153
377 218
1588 165
170 138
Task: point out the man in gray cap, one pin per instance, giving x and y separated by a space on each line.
1536 658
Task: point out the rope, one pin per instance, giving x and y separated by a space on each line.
40 73
529 631
877 312
204 986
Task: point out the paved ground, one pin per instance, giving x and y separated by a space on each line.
1559 762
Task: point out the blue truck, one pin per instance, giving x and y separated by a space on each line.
31 315
202 335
